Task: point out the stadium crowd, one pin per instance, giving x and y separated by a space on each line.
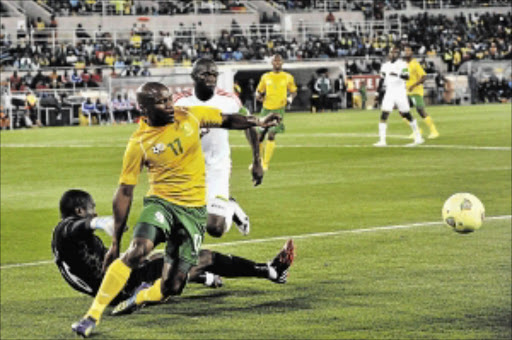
139 7
488 36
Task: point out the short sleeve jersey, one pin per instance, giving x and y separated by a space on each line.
276 87
173 156
392 82
416 72
215 141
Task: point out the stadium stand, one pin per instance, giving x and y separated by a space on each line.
60 41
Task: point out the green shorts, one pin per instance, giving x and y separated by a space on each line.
417 101
182 228
275 129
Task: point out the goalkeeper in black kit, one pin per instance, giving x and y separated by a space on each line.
79 254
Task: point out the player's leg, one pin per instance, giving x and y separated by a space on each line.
271 139
181 254
387 107
412 103
220 209
420 107
403 107
235 266
115 279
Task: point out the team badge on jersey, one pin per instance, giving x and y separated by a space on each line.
158 149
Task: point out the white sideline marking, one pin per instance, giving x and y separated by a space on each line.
455 147
296 237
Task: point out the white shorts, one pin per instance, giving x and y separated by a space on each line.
398 98
217 188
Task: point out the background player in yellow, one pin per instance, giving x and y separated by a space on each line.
174 212
417 77
276 89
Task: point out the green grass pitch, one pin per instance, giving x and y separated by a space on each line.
327 187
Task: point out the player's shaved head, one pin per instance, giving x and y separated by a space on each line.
73 199
277 62
149 92
201 62
155 102
204 74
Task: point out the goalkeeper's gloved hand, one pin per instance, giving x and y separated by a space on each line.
105 223
289 99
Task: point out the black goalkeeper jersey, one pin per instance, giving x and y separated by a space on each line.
79 254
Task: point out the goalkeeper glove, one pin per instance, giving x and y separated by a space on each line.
105 223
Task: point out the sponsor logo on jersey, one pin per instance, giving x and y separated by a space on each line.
159 217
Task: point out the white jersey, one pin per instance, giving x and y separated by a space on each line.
394 82
215 141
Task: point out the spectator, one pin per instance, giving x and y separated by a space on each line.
89 110
339 89
349 85
31 116
76 79
80 32
119 109
5 123
323 87
101 109
14 81
363 93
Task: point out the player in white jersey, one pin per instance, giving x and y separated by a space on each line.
395 73
222 210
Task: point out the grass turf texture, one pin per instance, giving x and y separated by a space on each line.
423 282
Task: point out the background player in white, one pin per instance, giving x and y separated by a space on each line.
222 210
395 73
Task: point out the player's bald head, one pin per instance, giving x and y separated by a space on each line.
205 74
149 92
277 62
202 63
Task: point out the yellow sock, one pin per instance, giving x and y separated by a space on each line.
152 294
115 278
430 124
269 151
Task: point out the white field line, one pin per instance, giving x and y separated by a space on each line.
322 146
295 237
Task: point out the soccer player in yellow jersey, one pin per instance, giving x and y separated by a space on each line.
276 89
169 146
417 77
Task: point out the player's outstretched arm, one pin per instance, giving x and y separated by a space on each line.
240 122
121 208
257 169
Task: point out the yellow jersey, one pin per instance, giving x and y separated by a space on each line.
173 157
416 72
275 87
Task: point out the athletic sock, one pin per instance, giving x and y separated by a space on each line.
151 294
262 151
234 266
382 131
430 124
115 279
415 130
269 151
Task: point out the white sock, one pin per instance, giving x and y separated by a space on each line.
415 130
209 279
382 131
272 273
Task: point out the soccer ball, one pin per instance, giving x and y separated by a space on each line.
463 212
